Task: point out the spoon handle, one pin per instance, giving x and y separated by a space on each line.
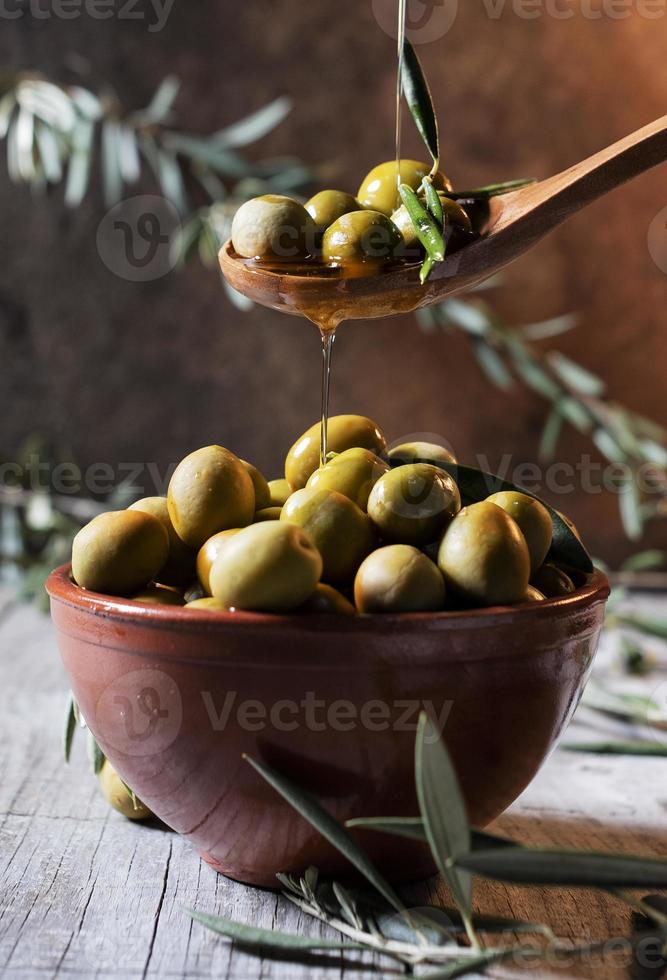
553 200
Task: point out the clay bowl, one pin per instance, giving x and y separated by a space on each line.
175 696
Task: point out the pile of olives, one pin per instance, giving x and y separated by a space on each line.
374 530
341 230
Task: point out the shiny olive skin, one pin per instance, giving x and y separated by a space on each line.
193 592
379 188
269 567
362 236
533 595
413 504
179 568
119 552
260 483
119 796
457 224
267 514
210 491
279 492
207 602
419 452
533 519
354 473
343 432
208 552
328 206
552 581
326 600
398 578
572 526
484 556
159 596
273 227
340 531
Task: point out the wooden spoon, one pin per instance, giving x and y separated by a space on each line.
515 222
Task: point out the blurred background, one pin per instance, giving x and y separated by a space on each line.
100 369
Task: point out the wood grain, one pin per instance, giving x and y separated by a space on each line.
85 893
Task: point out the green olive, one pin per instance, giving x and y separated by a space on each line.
420 452
180 565
259 482
210 491
379 188
328 206
207 602
552 581
119 796
160 596
484 556
413 504
398 578
328 601
340 531
354 473
208 552
572 526
533 519
267 514
280 491
533 595
119 552
268 567
343 432
273 227
457 224
362 236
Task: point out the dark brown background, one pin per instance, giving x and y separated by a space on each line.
121 372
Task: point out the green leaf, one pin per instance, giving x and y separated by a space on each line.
427 268
128 149
162 102
95 754
70 727
548 328
420 102
550 434
7 106
630 507
527 866
442 809
427 231
651 625
433 203
413 828
49 152
645 560
471 964
254 126
617 748
112 178
78 171
576 376
467 314
266 941
492 364
334 832
492 190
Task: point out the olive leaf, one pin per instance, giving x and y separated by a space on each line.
420 102
433 203
651 625
334 832
492 190
413 828
95 754
617 748
474 964
70 727
541 866
266 940
427 230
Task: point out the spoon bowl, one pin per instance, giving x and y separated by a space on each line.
512 224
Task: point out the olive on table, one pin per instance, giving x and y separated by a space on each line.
398 578
484 556
260 483
211 490
325 207
269 567
120 796
552 581
533 519
327 600
119 552
362 236
354 473
160 596
273 227
340 530
279 491
179 568
420 452
379 188
343 432
207 554
267 514
412 504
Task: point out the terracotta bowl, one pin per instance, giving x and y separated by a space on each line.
176 696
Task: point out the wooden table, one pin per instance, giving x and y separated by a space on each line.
86 893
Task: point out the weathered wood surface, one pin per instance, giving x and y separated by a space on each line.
85 893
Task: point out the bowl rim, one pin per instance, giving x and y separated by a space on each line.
61 588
